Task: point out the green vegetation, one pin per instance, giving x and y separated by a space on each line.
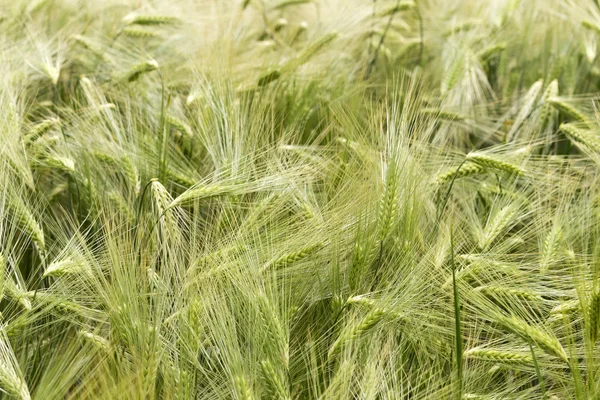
327 199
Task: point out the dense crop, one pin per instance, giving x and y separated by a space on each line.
328 199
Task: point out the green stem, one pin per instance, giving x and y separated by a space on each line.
537 371
457 328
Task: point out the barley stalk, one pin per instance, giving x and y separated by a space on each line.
593 317
2 275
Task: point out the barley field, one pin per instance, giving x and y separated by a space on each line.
299 199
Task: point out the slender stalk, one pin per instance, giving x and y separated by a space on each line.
457 324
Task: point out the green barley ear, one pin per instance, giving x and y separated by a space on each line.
390 314
443 114
526 106
11 377
39 130
97 341
25 220
497 290
497 225
66 266
291 3
546 108
268 77
593 316
487 53
2 275
179 125
242 389
463 26
89 45
200 192
454 74
139 33
567 109
357 331
151 20
582 137
549 247
494 164
401 6
499 356
276 386
117 200
180 179
564 309
591 26
388 204
124 165
139 69
167 215
276 335
51 71
295 256
131 172
280 24
16 293
35 5
312 50
467 169
64 164
541 338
